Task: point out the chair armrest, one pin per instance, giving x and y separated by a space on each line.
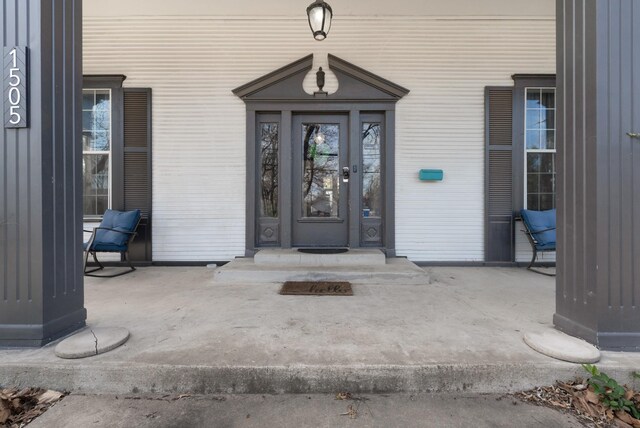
114 230
543 230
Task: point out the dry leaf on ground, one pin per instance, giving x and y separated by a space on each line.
18 408
352 412
343 396
583 402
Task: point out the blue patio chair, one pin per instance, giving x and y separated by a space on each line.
540 228
115 233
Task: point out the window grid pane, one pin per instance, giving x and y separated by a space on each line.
96 149
540 147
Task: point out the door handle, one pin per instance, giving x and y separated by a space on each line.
345 174
633 135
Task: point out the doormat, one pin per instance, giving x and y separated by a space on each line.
323 250
316 288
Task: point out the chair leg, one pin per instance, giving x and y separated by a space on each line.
126 259
533 260
95 258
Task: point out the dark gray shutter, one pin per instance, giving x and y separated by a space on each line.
499 237
137 166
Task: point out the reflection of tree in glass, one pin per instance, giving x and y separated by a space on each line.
96 183
371 181
269 157
320 179
102 120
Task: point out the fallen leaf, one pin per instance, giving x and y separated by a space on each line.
49 397
352 412
4 412
621 424
343 396
592 397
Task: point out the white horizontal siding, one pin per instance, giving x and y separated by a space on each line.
192 64
296 8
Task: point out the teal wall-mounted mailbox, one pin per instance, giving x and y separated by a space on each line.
431 175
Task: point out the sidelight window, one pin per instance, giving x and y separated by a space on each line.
269 139
371 170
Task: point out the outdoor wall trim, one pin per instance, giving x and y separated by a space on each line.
337 64
113 82
103 81
521 82
259 84
281 93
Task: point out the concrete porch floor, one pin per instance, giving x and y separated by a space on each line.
460 332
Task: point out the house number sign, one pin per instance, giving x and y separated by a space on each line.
16 83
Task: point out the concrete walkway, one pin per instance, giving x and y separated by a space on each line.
300 411
461 332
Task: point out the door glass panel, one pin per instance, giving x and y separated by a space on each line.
269 170
371 182
321 178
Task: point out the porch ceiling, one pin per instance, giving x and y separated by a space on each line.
342 8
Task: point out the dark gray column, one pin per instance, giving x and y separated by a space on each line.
598 289
41 282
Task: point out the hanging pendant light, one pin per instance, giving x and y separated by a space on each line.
320 14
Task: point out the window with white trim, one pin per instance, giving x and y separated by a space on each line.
96 151
540 149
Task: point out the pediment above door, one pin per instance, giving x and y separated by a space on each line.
354 84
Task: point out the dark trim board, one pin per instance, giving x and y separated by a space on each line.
193 263
113 82
481 264
103 81
280 95
164 264
521 82
610 341
34 336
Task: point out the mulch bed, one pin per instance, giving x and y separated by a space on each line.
579 399
18 407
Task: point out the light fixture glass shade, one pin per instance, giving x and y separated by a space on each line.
320 15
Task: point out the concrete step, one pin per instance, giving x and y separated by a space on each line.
293 257
135 378
247 271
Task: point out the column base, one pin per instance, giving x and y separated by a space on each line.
37 335
606 341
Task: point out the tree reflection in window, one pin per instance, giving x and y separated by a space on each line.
321 184
269 163
96 151
371 176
